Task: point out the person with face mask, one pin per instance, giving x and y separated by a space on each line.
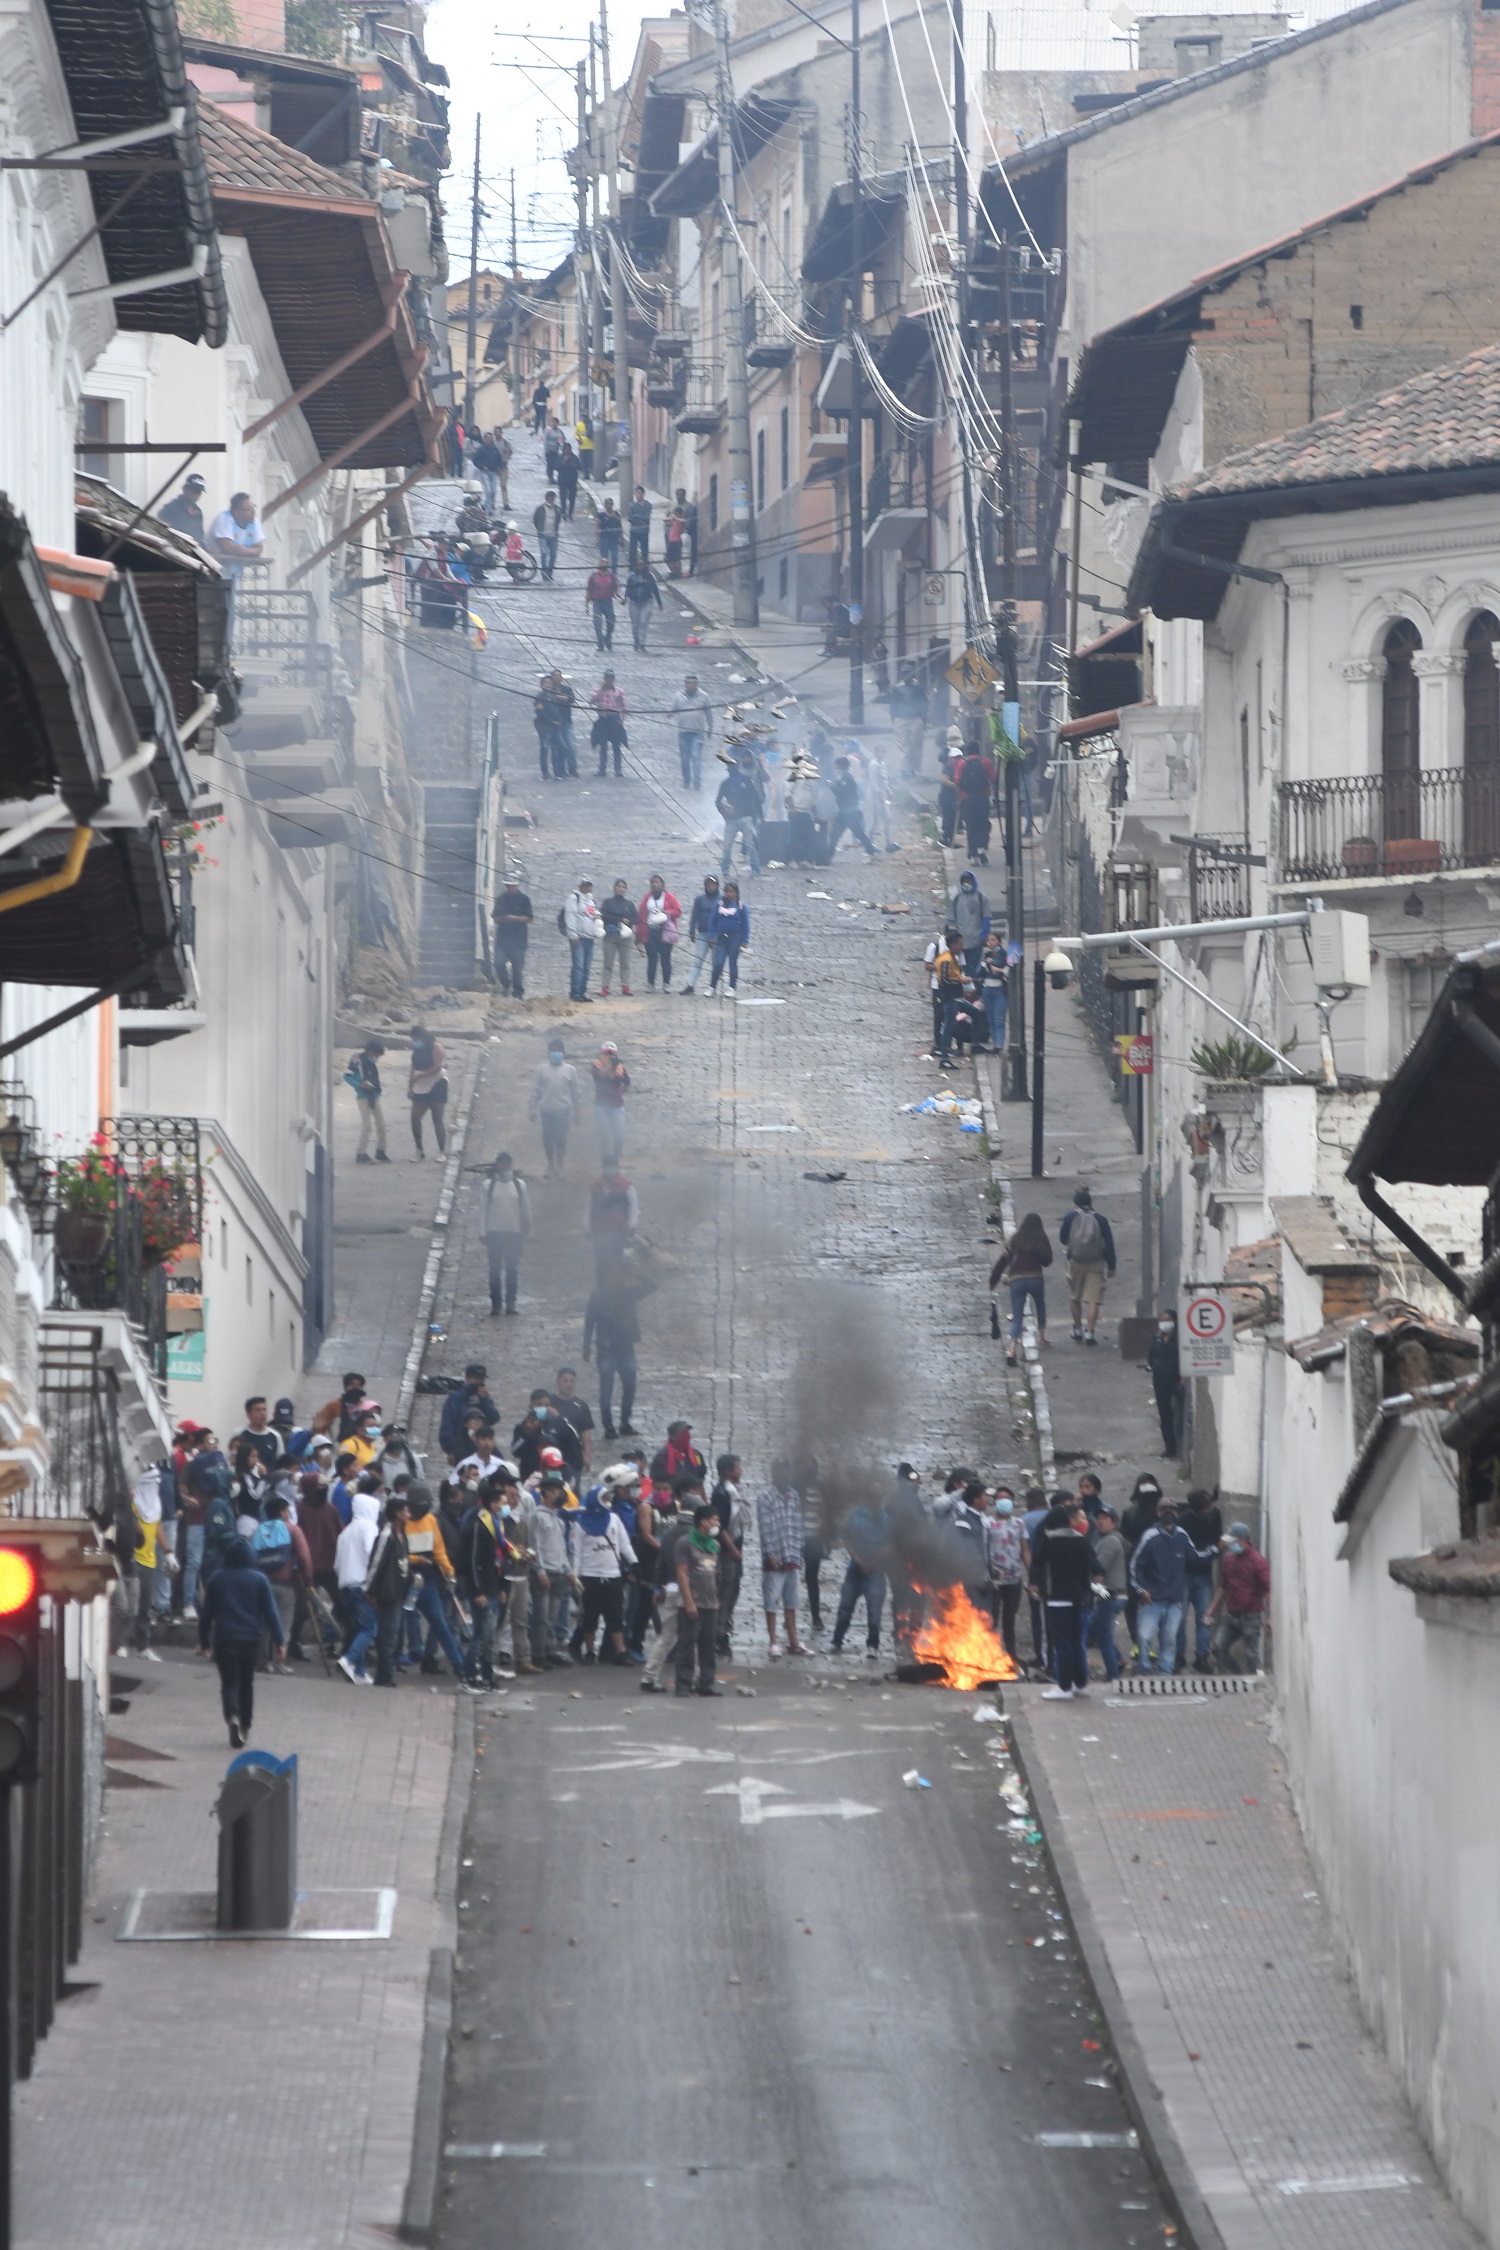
1238 1613
1166 1380
1007 1566
557 1104
1111 1584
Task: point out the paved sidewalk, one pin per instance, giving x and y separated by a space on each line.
252 2095
1183 1870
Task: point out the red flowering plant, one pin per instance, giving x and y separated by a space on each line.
162 1195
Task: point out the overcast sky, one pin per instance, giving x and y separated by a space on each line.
520 80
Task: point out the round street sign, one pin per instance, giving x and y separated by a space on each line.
1206 1318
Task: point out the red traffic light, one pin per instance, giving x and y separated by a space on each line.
17 1580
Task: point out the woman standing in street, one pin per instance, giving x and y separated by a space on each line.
427 1087
1023 1261
235 1609
731 931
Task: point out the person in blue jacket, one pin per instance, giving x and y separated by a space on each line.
730 923
235 1608
700 927
1159 1572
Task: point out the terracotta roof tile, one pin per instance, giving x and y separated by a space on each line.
243 159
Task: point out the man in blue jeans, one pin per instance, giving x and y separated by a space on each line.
1110 1573
1203 1524
867 1536
1159 1569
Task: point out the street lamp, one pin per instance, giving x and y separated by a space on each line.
1055 970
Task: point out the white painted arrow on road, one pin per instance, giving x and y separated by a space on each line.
754 1809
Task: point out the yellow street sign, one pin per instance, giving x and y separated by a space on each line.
972 674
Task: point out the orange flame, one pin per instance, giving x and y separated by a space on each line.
958 1638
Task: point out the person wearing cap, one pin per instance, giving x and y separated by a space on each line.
1239 1607
611 1083
581 925
1159 1572
294 1439
512 915
472 1398
556 1103
185 512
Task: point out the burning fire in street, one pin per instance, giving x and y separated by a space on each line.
958 1639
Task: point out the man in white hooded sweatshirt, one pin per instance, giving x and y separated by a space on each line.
351 1562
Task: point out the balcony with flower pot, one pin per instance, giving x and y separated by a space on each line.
123 1209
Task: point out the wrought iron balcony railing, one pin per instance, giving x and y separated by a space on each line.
124 1208
1390 826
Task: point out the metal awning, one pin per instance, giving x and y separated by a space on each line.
148 695
695 183
113 931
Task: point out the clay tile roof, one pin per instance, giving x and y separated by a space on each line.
1252 1275
1470 1568
1448 419
244 161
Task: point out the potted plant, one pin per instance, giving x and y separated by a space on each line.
88 1188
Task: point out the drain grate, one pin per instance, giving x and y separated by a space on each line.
1190 1684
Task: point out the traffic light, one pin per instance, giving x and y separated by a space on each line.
20 1630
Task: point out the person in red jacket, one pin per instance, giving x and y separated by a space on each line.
1240 1603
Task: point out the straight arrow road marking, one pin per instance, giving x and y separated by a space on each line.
752 1794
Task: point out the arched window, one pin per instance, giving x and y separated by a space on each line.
1400 731
1481 740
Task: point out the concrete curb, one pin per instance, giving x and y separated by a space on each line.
457 1141
1143 2099
424 2179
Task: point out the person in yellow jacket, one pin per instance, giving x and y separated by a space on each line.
431 1581
149 1555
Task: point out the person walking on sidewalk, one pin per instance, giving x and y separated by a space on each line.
701 928
638 517
1164 1360
617 916
1159 1571
608 731
512 917
567 481
427 1088
1239 1606
779 1520
363 1075
611 1081
656 926
1088 1238
694 715
697 1564
867 1539
547 515
237 1611
731 928
1022 1263
969 914
580 926
642 593
599 601
507 1223
1111 1584
556 1103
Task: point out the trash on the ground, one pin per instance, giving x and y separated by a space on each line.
832 1178
820 894
970 1125
895 910
1105 2085
915 1780
744 1691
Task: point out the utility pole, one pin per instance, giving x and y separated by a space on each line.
854 472
515 261
619 331
736 369
1013 1064
473 347
961 231
581 189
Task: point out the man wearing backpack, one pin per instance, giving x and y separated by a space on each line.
1088 1239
